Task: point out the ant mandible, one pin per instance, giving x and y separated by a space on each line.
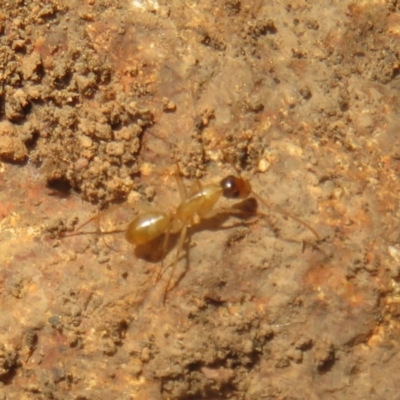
196 203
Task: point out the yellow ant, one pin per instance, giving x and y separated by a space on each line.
196 203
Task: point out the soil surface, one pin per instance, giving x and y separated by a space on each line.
100 100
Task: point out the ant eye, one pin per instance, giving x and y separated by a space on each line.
230 187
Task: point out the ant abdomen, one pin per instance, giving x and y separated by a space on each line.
147 226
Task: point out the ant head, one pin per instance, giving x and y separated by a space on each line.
234 187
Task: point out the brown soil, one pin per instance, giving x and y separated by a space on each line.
99 100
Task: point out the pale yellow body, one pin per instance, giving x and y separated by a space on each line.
147 226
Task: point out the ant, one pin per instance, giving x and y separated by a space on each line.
196 203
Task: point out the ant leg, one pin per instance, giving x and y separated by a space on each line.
183 191
178 251
103 238
183 196
98 229
98 216
179 183
195 188
164 250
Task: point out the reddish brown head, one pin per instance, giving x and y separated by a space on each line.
234 187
